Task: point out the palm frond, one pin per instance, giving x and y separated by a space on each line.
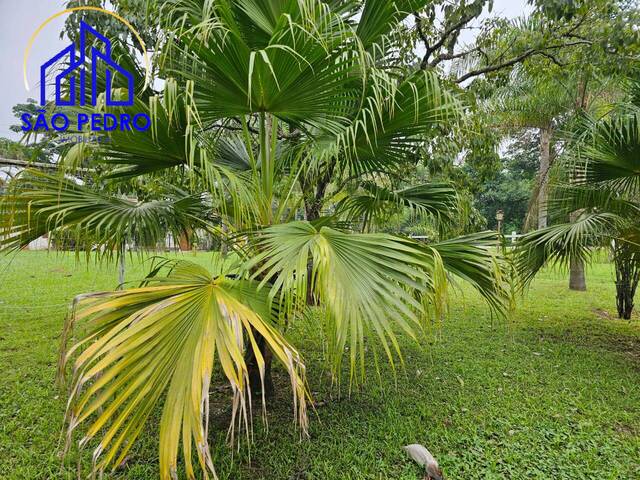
294 59
559 244
40 203
378 18
434 199
163 342
612 157
363 281
567 199
396 117
168 142
473 259
368 284
529 101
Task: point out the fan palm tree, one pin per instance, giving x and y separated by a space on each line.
603 185
268 109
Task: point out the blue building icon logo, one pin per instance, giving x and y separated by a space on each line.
76 73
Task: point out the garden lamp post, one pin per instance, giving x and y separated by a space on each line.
499 218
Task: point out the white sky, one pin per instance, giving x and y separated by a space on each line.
20 18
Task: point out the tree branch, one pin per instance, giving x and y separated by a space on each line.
493 68
553 59
523 56
423 37
430 49
452 56
12 162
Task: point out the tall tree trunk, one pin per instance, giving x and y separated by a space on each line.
577 279
576 273
576 276
543 173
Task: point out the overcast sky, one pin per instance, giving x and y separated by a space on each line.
20 18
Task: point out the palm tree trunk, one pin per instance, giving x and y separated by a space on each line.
627 279
543 174
577 279
314 193
313 201
256 382
122 265
576 276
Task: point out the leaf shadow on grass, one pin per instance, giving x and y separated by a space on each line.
628 346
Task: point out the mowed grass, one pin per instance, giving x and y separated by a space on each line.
552 393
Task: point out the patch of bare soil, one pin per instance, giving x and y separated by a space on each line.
603 314
613 316
221 400
626 430
611 342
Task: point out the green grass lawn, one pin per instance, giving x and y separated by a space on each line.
553 393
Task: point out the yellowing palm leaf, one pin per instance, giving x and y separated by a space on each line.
163 340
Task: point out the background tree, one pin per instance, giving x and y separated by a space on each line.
510 189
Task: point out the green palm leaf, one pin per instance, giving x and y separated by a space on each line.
294 59
472 258
435 199
361 280
379 18
368 284
571 198
559 244
612 157
396 117
39 203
